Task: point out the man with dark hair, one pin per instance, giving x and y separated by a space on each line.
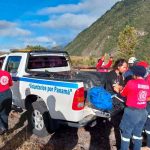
115 75
114 79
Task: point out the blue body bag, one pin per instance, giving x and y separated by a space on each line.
100 98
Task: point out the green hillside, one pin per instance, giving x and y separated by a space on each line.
102 35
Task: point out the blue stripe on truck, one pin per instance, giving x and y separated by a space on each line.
47 82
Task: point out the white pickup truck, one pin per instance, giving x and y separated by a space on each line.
50 91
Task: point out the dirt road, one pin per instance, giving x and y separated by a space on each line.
99 137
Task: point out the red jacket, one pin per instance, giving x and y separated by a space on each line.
137 91
148 79
103 68
5 81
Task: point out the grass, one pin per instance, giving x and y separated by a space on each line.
87 61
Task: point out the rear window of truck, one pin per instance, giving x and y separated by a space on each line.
36 62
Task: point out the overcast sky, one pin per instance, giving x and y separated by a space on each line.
46 22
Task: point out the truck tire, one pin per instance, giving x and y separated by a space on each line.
39 119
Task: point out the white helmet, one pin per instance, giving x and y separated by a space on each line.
132 60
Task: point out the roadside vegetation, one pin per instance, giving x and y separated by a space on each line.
88 61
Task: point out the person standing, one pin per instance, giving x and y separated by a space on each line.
132 61
114 78
147 127
137 90
101 67
147 124
5 99
128 74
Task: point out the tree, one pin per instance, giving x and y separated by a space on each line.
127 41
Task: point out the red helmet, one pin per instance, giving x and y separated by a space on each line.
142 63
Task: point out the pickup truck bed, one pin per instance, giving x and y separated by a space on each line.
89 78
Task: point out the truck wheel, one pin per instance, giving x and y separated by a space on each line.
39 119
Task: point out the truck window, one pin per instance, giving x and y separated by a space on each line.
13 64
1 61
36 62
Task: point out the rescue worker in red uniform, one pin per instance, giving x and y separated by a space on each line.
5 100
137 90
101 67
147 124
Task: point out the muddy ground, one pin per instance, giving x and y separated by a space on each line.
99 137
103 136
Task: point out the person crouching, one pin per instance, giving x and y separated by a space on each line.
136 91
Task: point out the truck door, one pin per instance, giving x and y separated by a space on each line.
12 66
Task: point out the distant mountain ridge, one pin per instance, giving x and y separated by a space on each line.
102 35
